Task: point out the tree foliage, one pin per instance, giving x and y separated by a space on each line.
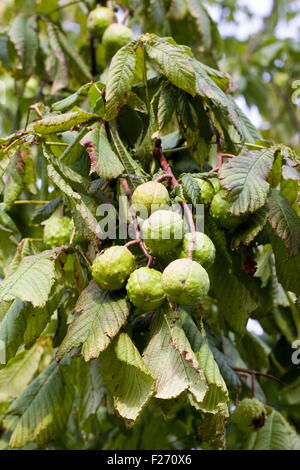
82 367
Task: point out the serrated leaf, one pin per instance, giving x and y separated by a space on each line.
63 122
202 19
217 393
131 166
230 376
72 99
32 281
276 434
245 178
81 70
127 377
120 79
102 313
23 34
247 231
284 221
57 64
287 269
166 106
42 409
12 328
44 212
173 62
18 372
191 189
170 358
90 389
104 161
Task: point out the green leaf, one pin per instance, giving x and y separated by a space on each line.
287 269
32 281
90 389
191 188
43 408
202 19
81 70
173 62
276 434
12 328
166 105
245 178
170 358
45 211
177 10
285 222
101 315
217 394
121 76
127 377
254 351
56 64
131 166
104 161
72 99
63 122
23 33
18 372
247 231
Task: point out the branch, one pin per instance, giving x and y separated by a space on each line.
263 374
138 237
166 167
126 13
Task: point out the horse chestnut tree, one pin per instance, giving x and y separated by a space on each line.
115 323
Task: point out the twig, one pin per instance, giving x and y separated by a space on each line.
138 237
126 13
93 56
23 201
74 2
263 374
162 177
166 167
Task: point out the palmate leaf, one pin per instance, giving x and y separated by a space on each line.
276 434
102 313
104 161
43 408
285 222
245 178
18 372
121 76
171 359
33 279
127 377
172 60
23 34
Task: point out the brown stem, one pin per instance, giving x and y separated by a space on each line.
253 385
263 374
166 167
162 177
138 237
126 13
